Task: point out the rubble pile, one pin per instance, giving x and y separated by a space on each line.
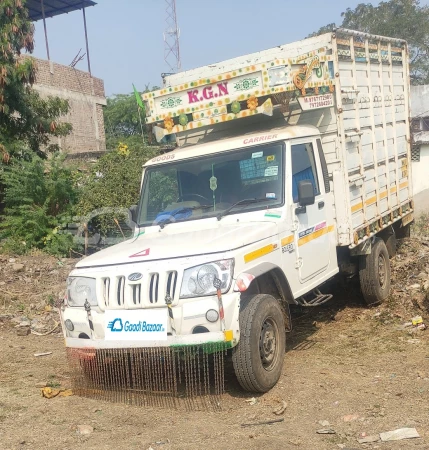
410 276
30 286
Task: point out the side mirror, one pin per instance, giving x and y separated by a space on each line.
306 193
133 211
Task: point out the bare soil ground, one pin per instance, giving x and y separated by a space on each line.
359 369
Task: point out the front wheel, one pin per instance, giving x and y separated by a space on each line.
374 274
258 357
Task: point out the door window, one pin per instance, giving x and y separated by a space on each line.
303 168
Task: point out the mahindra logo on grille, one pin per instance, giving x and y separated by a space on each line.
135 276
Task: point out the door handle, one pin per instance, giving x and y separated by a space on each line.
321 205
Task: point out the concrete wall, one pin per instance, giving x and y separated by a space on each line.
420 100
86 98
421 203
420 174
420 171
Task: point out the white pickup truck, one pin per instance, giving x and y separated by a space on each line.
290 166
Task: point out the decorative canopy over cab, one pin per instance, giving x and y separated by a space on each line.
242 92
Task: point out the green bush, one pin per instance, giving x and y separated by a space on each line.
39 199
114 182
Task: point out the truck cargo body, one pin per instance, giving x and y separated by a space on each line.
363 117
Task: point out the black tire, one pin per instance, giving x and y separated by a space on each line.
374 274
257 365
389 237
391 245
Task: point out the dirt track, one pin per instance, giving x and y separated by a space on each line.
345 364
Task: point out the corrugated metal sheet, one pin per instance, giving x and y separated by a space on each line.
55 7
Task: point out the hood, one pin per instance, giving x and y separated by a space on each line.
180 240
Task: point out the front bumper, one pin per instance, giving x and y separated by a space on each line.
218 337
189 315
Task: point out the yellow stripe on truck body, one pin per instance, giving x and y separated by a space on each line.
259 252
315 235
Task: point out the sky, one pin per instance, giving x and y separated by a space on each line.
126 43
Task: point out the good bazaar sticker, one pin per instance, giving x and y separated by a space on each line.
136 325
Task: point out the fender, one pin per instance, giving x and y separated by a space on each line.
270 279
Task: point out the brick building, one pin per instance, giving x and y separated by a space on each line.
84 92
86 98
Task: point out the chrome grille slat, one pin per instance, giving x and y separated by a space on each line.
162 287
156 288
153 287
136 290
120 290
106 291
171 283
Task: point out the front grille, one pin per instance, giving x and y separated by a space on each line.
149 291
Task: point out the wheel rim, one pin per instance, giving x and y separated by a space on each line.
268 343
382 273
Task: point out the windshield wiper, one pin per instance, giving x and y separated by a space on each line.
170 219
246 201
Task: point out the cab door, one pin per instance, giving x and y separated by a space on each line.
311 222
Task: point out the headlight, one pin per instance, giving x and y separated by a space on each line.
80 289
198 280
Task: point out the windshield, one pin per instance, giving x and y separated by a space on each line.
207 186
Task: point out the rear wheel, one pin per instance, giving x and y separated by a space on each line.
389 237
391 245
258 357
374 274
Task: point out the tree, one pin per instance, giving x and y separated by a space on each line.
325 29
26 120
122 121
16 34
121 118
35 124
402 19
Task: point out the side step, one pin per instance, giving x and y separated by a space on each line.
317 300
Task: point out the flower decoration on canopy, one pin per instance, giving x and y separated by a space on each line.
183 120
235 107
168 124
252 103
